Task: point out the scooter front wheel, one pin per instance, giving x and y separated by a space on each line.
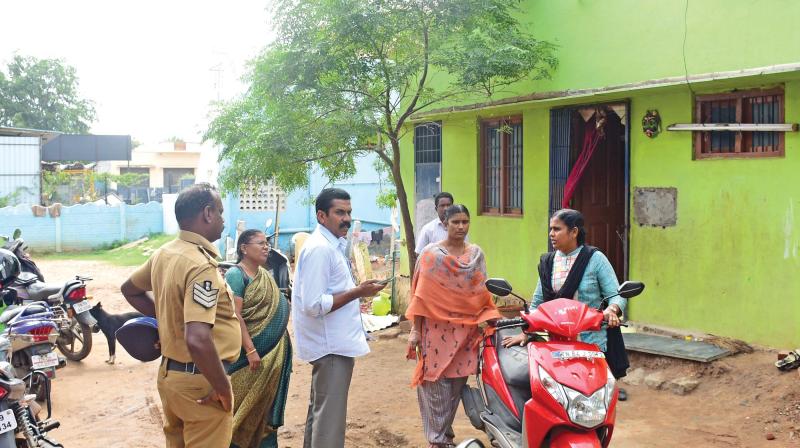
471 443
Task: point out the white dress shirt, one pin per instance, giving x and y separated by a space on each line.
432 232
322 271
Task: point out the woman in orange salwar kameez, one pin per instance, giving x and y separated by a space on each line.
448 301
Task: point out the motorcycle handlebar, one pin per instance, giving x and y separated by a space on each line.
515 322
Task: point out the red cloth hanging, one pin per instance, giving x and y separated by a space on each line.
591 138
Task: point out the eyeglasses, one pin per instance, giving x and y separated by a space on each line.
260 243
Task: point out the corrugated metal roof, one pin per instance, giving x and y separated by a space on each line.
23 132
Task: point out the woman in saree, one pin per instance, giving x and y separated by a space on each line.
260 377
448 302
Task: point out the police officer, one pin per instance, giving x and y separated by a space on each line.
197 325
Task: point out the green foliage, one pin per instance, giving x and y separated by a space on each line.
13 197
345 76
386 198
51 181
112 253
43 94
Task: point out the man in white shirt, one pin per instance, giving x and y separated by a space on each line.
327 318
436 230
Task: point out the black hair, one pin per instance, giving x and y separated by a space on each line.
194 200
572 219
326 197
454 210
244 238
441 195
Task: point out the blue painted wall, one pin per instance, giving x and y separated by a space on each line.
83 227
364 188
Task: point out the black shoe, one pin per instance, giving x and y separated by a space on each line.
623 396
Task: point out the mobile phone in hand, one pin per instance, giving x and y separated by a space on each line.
385 281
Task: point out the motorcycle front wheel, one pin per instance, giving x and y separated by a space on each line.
75 343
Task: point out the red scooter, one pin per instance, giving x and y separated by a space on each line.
555 392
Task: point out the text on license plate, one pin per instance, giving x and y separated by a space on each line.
8 422
82 306
44 361
573 354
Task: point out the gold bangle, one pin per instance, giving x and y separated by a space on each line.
250 352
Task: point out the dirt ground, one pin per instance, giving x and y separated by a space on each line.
740 399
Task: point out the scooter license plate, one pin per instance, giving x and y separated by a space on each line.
44 361
81 306
8 421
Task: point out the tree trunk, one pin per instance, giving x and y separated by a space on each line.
402 197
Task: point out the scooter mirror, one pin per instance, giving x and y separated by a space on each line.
630 289
17 233
268 224
498 286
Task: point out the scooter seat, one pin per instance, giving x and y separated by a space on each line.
41 291
513 360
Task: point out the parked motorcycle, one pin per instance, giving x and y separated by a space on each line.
71 307
69 302
32 334
18 247
19 424
556 391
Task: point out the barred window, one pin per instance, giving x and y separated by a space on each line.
501 166
262 198
751 107
428 143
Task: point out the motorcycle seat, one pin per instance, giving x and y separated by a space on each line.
13 311
513 360
514 367
41 291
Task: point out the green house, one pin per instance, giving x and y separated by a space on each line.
708 217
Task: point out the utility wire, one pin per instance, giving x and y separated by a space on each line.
685 32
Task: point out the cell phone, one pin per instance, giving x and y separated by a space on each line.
385 281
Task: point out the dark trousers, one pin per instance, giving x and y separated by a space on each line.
327 407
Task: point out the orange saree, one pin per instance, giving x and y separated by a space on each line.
448 292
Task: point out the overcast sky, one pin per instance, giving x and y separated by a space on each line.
151 67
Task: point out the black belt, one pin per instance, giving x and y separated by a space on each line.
189 367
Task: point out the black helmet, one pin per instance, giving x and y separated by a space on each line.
9 267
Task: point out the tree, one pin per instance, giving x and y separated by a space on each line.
43 94
346 75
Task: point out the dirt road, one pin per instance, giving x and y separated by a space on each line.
738 402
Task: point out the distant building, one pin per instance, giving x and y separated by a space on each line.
168 166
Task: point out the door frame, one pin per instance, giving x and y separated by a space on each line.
627 170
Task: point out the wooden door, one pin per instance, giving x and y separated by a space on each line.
602 194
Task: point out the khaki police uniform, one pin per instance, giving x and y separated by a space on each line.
188 287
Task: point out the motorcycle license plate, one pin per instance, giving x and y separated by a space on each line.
8 422
44 361
81 306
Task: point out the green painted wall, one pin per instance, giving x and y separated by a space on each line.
731 265
607 43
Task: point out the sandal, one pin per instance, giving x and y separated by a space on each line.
791 361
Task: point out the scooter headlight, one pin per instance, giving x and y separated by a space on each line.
587 411
553 387
610 384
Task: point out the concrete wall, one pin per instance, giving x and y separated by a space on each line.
82 227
